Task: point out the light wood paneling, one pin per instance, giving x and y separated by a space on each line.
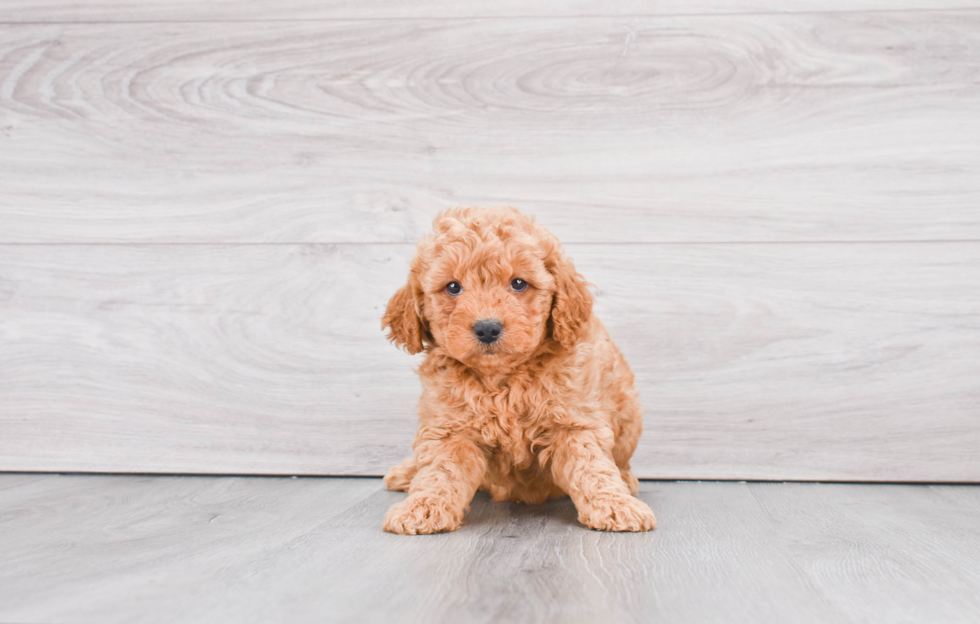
163 549
769 361
204 207
180 359
238 10
807 127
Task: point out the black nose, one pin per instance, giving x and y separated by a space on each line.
488 330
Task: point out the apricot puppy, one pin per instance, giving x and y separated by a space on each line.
523 392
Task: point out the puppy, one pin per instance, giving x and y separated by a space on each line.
523 392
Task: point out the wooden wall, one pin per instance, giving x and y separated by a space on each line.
204 207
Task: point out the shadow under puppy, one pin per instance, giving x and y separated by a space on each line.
523 392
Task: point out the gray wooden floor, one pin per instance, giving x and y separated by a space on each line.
228 549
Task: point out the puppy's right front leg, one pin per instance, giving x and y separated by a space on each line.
450 469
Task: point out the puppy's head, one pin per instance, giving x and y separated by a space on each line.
489 287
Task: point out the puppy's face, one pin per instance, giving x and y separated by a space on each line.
488 287
487 306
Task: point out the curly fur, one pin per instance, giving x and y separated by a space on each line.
548 410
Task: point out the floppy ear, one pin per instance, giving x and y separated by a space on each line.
403 318
572 306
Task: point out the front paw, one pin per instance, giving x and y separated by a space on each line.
620 513
421 515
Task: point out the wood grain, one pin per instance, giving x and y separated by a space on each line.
831 127
204 207
904 533
768 361
165 549
241 10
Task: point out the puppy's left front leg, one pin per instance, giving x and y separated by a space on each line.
583 466
450 470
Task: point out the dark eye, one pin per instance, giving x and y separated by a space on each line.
518 285
453 288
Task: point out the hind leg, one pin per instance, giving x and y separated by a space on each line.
400 477
630 421
630 479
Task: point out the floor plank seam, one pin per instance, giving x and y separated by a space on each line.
926 10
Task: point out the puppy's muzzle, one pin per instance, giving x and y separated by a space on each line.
488 331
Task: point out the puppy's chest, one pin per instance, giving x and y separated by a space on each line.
513 422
